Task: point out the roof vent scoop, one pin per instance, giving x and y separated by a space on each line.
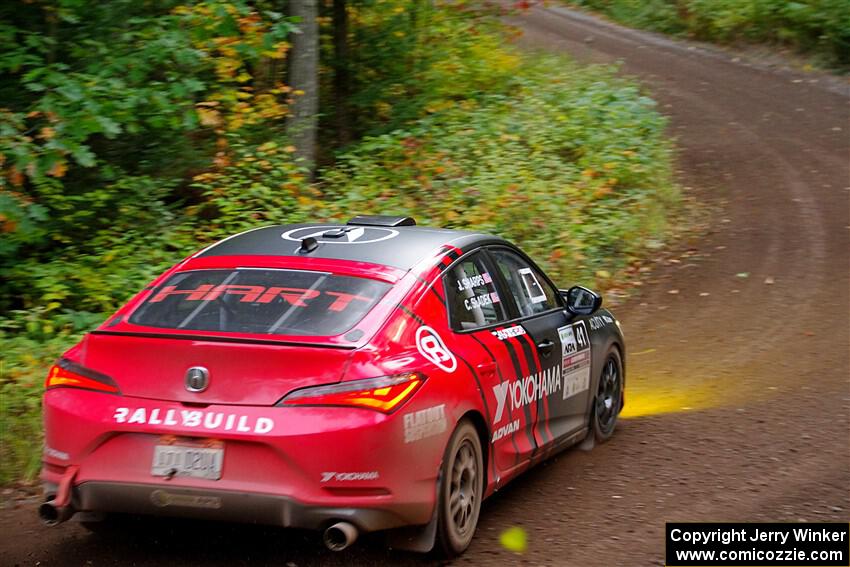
381 220
308 245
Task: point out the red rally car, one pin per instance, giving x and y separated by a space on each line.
345 378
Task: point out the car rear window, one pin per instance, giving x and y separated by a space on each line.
260 301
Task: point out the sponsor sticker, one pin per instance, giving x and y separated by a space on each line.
599 321
520 393
349 476
424 423
505 334
575 358
506 430
56 454
341 234
432 347
195 419
532 286
161 499
296 297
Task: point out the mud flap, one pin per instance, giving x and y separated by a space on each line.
589 442
419 539
416 538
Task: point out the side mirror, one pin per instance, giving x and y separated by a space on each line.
581 301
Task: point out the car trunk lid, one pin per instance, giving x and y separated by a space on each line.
238 372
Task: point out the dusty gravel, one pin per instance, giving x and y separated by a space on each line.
739 381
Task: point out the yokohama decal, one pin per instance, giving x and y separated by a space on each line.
520 393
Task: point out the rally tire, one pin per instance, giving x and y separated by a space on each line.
461 489
608 400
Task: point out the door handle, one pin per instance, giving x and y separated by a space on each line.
545 347
486 368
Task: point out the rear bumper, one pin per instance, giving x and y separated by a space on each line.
224 505
315 465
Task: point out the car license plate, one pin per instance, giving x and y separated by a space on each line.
186 458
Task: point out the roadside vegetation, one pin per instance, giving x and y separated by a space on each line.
820 28
133 134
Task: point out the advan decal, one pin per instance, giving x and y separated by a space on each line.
575 358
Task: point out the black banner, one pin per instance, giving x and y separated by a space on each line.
759 545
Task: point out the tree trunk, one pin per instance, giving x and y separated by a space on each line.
341 66
304 78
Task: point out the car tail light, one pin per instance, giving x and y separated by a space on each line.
66 374
384 394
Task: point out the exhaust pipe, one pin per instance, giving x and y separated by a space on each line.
52 515
339 536
57 507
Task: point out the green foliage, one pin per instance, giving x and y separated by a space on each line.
133 134
29 343
579 152
412 56
821 27
107 111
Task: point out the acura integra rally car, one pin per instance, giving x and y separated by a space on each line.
345 378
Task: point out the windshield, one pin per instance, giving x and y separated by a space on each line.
260 301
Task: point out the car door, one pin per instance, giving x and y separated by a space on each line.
561 349
477 314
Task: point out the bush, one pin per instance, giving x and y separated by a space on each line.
569 162
30 343
819 27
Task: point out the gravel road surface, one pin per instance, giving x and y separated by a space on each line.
739 361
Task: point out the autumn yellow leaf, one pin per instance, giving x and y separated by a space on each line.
208 116
16 178
59 168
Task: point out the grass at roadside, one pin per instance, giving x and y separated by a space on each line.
569 162
820 28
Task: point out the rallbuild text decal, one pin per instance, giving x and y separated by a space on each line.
196 419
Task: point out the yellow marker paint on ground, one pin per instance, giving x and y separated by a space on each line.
658 399
514 539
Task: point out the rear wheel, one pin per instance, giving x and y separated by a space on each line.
461 491
609 397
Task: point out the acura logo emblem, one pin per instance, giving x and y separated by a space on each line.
197 379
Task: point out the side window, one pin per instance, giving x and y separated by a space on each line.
472 296
532 293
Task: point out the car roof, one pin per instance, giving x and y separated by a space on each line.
399 246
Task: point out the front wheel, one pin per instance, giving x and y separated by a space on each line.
609 397
461 490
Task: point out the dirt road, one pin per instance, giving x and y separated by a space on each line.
739 390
